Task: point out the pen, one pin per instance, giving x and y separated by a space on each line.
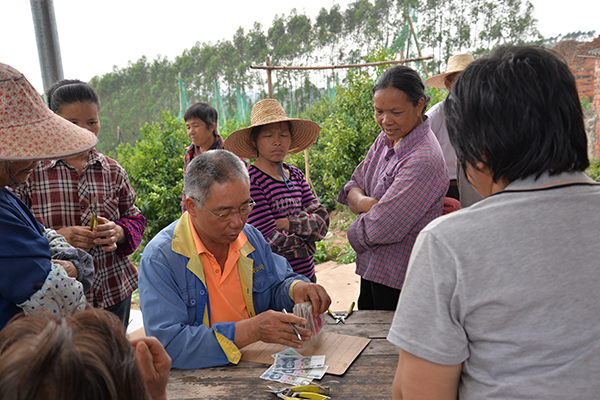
293 327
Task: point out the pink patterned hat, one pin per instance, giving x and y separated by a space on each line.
29 130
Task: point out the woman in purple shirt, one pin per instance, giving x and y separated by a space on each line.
397 190
287 214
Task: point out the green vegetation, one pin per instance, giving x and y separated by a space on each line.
145 93
594 170
585 103
155 169
135 95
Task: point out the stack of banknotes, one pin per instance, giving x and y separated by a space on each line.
292 368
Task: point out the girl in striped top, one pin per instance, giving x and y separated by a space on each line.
287 214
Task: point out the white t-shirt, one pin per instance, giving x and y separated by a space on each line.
511 287
437 123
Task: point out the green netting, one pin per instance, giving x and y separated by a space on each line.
183 105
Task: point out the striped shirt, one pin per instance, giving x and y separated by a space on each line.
410 181
59 196
308 218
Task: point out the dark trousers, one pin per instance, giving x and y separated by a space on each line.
375 296
122 310
453 190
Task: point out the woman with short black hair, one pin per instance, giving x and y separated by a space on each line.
397 190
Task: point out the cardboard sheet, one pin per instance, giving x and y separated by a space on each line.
339 350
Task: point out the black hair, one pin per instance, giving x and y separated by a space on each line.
406 80
517 111
204 112
69 91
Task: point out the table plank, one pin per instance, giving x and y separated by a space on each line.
370 376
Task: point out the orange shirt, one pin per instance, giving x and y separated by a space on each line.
224 289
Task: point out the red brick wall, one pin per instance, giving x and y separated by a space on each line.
596 108
586 69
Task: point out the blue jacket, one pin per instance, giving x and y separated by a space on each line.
174 299
24 255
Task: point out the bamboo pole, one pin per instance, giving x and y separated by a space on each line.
417 43
270 67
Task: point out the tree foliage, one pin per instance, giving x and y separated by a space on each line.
135 95
155 169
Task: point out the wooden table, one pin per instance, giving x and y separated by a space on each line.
369 377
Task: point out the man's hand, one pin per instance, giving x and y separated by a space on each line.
271 327
108 234
154 364
78 236
68 266
305 291
360 203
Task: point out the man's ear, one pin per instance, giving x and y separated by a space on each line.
191 207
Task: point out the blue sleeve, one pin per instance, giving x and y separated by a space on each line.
168 303
271 285
24 255
25 252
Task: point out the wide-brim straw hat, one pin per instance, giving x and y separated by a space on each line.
30 131
268 111
456 63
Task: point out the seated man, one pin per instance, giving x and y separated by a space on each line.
209 283
502 299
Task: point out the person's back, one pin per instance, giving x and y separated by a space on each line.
501 299
530 306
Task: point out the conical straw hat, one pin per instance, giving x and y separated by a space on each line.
268 111
30 131
456 63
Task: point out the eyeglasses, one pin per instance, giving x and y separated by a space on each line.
228 215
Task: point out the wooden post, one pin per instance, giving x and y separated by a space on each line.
269 81
417 43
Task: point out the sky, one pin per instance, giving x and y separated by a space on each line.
95 36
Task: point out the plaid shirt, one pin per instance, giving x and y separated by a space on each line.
410 181
59 196
192 151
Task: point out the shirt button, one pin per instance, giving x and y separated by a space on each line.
384 179
83 207
387 159
196 324
202 292
193 302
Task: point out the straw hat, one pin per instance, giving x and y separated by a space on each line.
456 63
304 132
30 131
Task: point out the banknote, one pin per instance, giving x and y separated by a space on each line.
282 377
286 363
288 352
315 322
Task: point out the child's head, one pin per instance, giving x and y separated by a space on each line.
204 118
75 101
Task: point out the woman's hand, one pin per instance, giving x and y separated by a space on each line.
154 364
282 224
108 234
359 202
78 236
